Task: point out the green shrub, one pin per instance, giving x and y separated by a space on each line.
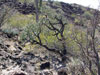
11 32
88 15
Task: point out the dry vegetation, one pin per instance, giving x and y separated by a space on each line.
48 38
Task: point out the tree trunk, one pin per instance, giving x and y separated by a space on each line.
37 11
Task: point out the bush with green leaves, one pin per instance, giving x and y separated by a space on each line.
51 32
11 32
88 15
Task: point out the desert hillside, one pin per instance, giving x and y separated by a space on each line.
48 38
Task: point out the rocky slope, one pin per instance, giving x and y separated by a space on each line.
14 60
23 8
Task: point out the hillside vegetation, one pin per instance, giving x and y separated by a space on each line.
48 38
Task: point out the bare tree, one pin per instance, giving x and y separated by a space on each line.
89 52
94 23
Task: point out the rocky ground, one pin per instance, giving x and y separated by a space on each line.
16 61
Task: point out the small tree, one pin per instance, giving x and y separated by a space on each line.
49 33
89 47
